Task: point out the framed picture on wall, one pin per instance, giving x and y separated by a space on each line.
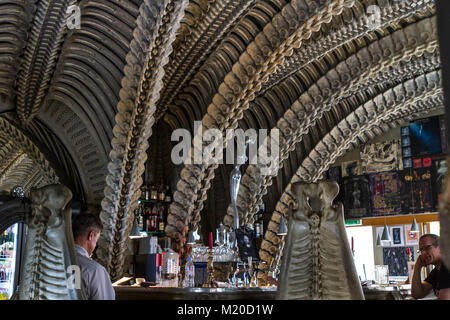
385 192
381 156
412 238
397 236
396 260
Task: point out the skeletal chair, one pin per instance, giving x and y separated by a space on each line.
317 261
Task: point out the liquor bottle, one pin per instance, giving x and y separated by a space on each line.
154 192
168 197
144 214
143 189
259 224
140 218
162 191
151 224
161 225
155 219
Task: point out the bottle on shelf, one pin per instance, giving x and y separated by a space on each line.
144 220
161 224
143 191
259 224
153 219
161 191
139 218
168 197
154 192
189 273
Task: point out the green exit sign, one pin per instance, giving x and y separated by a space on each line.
355 222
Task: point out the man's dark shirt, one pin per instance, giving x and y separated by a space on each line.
439 279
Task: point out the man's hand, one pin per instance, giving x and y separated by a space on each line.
420 262
419 289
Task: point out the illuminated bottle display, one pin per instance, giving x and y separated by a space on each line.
153 207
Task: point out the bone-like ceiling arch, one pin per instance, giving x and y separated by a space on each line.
228 106
227 63
357 73
21 161
412 98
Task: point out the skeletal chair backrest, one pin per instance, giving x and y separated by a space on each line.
50 269
317 261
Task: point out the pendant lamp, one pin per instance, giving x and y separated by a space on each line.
191 238
385 237
135 231
282 229
414 226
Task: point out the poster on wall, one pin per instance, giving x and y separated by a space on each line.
351 168
397 261
357 197
381 156
439 169
422 200
416 190
425 136
406 195
397 236
411 238
443 133
384 189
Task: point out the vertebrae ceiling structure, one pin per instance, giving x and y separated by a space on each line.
80 106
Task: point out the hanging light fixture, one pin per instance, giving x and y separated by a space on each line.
385 237
282 229
191 238
378 241
414 226
135 231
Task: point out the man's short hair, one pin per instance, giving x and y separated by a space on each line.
434 239
84 222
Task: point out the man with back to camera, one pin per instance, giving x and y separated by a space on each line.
439 277
86 229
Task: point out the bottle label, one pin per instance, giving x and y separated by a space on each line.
168 199
161 226
154 195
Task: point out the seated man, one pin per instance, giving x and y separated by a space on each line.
439 277
86 229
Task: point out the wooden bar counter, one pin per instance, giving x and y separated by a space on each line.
166 293
260 293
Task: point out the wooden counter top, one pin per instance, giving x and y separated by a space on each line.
165 293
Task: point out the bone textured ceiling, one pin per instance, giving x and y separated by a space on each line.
80 106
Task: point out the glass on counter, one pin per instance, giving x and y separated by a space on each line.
382 274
